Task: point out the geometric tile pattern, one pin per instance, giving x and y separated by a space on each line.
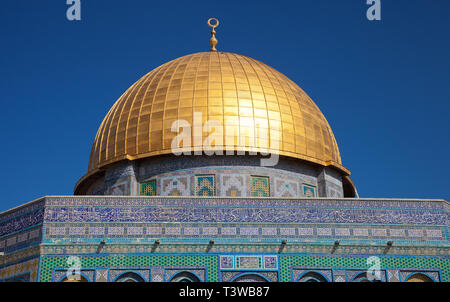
285 188
29 267
49 263
288 173
233 178
157 275
360 262
260 186
101 275
345 268
175 186
339 278
233 185
229 221
205 185
393 276
308 191
148 188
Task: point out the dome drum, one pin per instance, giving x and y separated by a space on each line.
223 176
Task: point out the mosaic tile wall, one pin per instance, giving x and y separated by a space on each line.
22 271
20 228
239 210
161 268
345 268
148 188
20 240
260 186
232 177
205 185
219 181
188 220
233 185
239 233
130 225
266 220
175 186
289 268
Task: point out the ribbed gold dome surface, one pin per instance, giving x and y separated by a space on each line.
235 90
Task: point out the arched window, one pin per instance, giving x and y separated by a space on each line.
418 277
363 278
75 279
130 277
185 277
250 278
312 277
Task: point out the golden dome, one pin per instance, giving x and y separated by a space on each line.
233 89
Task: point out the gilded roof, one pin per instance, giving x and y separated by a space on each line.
238 91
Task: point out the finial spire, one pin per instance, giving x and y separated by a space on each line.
213 41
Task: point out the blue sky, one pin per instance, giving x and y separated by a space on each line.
383 85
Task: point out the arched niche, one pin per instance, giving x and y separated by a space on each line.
250 277
184 277
129 277
79 278
312 277
419 277
362 277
